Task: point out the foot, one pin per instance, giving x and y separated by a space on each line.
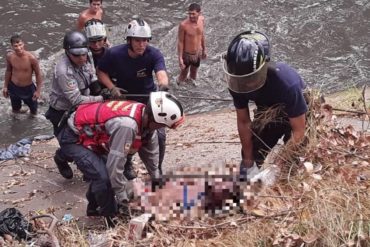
20 111
180 82
92 212
192 82
63 167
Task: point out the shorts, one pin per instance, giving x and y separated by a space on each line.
192 59
18 94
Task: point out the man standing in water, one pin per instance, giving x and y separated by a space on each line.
95 11
21 65
191 43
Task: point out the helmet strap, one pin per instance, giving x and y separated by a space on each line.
147 117
128 40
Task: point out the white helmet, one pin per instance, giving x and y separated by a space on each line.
166 109
95 30
139 29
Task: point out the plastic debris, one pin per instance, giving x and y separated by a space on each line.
13 223
67 218
137 227
21 148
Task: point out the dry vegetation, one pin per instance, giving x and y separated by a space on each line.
320 199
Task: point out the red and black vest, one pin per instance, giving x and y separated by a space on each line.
90 119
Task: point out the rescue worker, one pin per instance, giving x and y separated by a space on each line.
251 76
96 34
116 129
133 64
73 75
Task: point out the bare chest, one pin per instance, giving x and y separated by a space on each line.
21 63
194 30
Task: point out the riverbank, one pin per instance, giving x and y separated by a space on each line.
33 184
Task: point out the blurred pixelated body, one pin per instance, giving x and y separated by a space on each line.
196 193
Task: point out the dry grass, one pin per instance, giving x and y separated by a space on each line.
349 99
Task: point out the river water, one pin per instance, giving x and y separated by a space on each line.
326 41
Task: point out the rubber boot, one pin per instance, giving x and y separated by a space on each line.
129 171
63 166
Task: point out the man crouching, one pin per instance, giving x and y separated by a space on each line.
99 136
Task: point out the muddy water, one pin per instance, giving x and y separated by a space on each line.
326 41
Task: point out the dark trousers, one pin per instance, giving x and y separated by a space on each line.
25 94
54 116
100 194
267 138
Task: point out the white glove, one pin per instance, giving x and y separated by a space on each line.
248 173
252 171
267 176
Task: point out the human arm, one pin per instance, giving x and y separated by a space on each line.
149 154
203 41
159 68
244 124
298 125
108 83
162 79
81 22
8 76
121 140
180 45
104 79
39 80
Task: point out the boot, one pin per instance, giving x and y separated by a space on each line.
129 171
92 211
92 205
63 167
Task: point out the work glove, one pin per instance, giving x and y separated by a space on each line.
116 92
121 95
247 173
164 88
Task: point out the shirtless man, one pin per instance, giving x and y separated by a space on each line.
21 65
191 43
95 11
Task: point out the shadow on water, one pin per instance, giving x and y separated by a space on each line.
326 41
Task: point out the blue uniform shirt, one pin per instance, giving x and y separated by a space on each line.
283 86
133 74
